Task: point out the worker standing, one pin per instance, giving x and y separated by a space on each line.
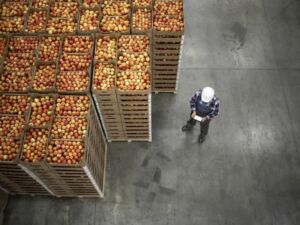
204 107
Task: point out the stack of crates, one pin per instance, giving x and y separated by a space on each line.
166 50
126 114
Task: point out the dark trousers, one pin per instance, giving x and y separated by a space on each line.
203 126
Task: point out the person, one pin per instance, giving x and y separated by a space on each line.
205 105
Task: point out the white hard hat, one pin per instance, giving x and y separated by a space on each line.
207 94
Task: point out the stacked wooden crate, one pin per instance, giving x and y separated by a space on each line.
121 86
167 44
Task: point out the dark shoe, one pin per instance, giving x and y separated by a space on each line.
201 139
186 127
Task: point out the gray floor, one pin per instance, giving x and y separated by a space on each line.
248 170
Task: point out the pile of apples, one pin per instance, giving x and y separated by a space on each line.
63 9
104 77
72 81
2 46
115 8
134 43
168 23
78 44
11 24
19 62
142 19
89 20
38 4
34 148
49 48
61 25
11 126
65 152
41 111
75 62
133 80
115 24
69 128
106 49
134 61
9 148
23 44
10 9
91 3
169 7
44 78
14 104
37 21
15 81
142 3
72 106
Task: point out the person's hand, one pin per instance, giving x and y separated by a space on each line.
193 115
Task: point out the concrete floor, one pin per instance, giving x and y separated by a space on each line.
248 170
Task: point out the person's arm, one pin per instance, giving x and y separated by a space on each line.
194 101
215 109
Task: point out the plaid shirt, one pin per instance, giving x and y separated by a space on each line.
214 104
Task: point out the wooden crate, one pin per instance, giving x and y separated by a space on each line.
86 179
15 180
135 109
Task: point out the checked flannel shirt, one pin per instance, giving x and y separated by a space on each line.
214 104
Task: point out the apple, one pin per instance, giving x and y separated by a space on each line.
65 152
134 43
41 111
75 62
9 148
133 80
142 19
106 49
89 20
72 81
44 77
168 23
104 76
11 126
15 81
134 61
61 25
115 24
49 48
115 8
14 104
64 9
37 21
78 44
34 148
69 128
72 105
